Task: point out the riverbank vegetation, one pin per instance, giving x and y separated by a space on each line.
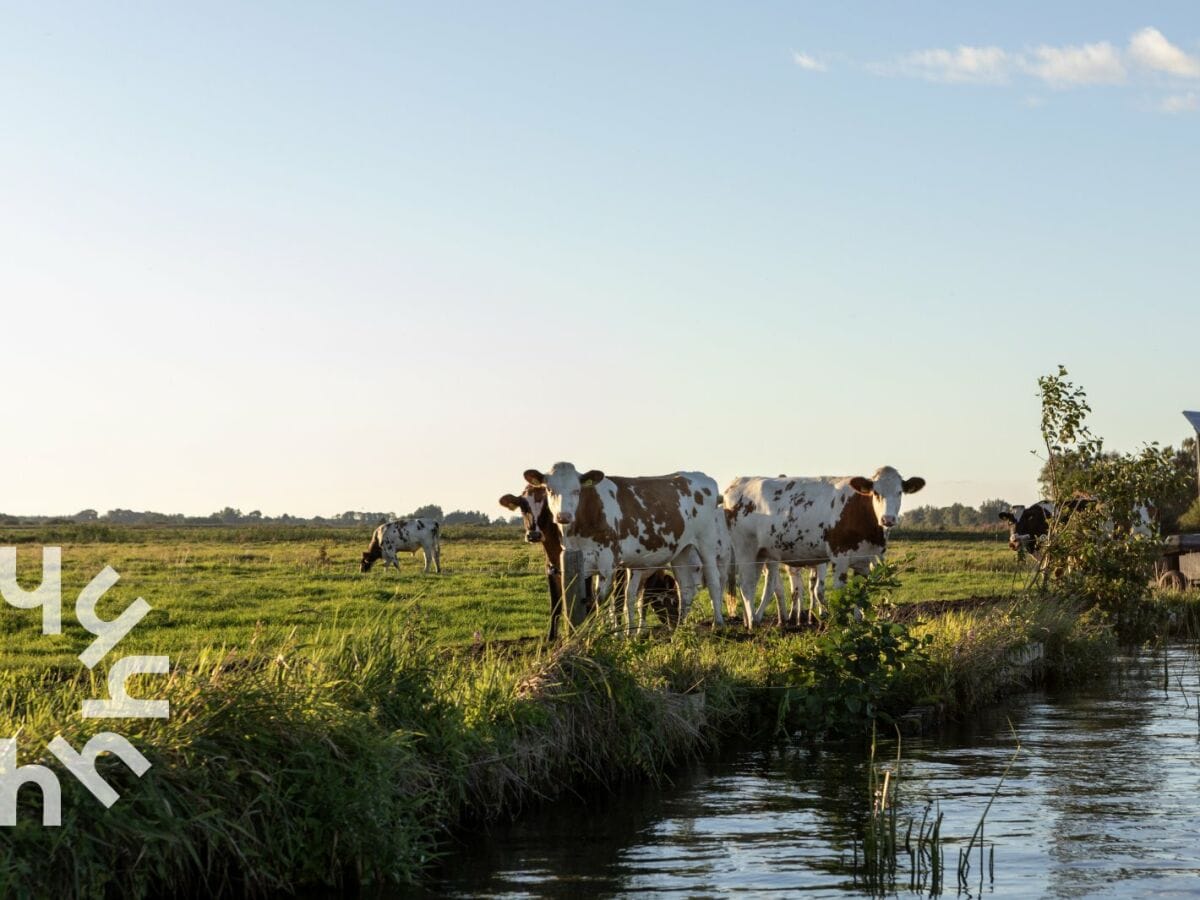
291 762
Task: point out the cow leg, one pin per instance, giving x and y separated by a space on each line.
437 555
425 554
777 588
747 572
715 585
816 592
795 596
770 586
635 603
604 587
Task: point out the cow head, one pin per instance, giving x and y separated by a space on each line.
563 486
886 490
372 553
531 504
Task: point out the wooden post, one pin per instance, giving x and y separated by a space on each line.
574 589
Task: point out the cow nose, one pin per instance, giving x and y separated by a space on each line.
888 521
534 537
563 518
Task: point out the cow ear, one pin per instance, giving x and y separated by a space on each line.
1007 517
534 477
595 476
508 501
912 485
862 485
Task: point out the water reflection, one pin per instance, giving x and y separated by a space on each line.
1102 801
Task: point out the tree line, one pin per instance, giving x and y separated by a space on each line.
233 516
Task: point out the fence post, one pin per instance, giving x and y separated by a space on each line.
574 595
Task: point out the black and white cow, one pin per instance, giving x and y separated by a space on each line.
408 535
1029 526
640 524
809 522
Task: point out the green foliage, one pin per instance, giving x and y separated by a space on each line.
858 662
1101 558
1190 520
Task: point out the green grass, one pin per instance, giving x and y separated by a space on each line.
330 727
220 587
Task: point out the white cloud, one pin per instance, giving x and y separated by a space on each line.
1076 65
979 65
1180 103
808 63
1150 49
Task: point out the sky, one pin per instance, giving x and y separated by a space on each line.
307 258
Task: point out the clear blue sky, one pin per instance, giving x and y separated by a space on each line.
307 258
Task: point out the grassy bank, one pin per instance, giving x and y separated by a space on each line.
348 762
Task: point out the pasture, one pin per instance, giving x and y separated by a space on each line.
229 587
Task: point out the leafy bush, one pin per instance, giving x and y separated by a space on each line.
1098 556
857 666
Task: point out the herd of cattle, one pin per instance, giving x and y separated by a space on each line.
646 535
641 527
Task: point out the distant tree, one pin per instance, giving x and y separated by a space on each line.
86 515
466 517
429 511
989 510
1080 474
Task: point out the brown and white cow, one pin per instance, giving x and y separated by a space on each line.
540 528
806 522
408 535
641 524
659 588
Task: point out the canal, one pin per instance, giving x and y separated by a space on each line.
1102 799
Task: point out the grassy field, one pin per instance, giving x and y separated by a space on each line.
225 587
343 735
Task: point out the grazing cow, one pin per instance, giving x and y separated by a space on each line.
806 522
659 587
641 524
405 534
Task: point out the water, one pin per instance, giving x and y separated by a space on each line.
1102 801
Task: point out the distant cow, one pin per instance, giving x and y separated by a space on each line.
807 522
408 535
642 524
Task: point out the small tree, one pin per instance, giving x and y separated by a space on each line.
1102 559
